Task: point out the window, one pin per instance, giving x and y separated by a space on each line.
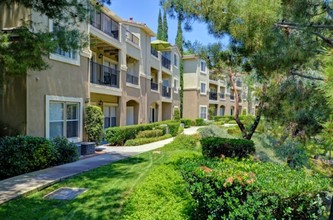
109 116
232 110
222 109
64 117
203 112
70 56
175 60
203 88
202 66
175 85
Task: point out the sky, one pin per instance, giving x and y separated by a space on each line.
146 11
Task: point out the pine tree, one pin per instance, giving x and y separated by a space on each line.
160 26
179 43
165 27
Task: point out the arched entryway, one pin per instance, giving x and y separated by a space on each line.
222 110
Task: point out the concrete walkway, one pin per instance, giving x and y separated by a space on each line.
17 186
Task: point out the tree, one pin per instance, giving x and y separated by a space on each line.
165 27
179 43
160 34
24 49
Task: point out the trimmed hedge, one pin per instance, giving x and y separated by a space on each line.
141 141
199 122
94 123
150 133
119 135
215 147
24 154
235 189
186 121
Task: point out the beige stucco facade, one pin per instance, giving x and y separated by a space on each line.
202 92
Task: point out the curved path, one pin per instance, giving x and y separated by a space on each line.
19 185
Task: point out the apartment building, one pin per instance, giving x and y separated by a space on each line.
207 95
119 72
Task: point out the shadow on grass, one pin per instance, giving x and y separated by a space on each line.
108 187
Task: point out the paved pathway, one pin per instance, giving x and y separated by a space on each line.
20 185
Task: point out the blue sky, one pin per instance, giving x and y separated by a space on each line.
146 11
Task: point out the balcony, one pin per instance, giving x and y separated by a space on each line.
154 86
166 62
104 75
232 97
212 95
222 96
132 38
154 52
166 91
132 79
104 23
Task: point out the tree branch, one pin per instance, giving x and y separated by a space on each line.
294 73
325 39
298 26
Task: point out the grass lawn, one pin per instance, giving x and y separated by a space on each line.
109 188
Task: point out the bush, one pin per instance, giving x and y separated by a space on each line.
234 131
150 133
94 122
176 114
199 122
23 154
213 131
187 122
235 189
67 151
119 135
215 147
173 128
180 130
141 141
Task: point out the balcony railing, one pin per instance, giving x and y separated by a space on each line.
104 75
166 91
166 62
131 37
222 96
132 79
154 52
212 96
104 23
154 86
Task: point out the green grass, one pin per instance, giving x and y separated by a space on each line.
109 187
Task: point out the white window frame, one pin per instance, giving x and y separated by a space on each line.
203 106
58 57
205 92
205 69
175 85
63 99
110 105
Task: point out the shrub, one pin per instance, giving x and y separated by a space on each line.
176 114
94 122
180 130
235 189
67 151
234 131
213 131
141 141
182 142
187 122
149 133
199 122
215 147
173 128
23 154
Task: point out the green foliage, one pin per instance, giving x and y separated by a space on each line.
199 122
23 154
94 123
146 140
160 26
150 133
179 43
67 151
180 130
234 131
211 111
293 153
119 135
187 122
173 128
248 190
165 27
176 114
215 147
